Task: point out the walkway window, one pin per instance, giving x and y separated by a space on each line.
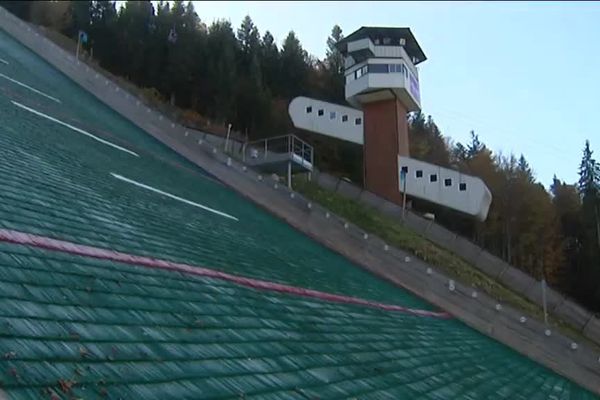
321 112
419 173
462 187
433 178
308 109
357 121
447 182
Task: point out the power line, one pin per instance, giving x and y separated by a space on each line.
482 127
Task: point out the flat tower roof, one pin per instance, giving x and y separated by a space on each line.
373 32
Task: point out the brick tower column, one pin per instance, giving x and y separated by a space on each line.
385 138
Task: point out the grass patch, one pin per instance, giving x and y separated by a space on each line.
397 235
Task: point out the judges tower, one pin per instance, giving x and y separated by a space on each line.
383 81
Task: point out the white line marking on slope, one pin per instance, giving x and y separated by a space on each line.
172 196
3 61
29 87
76 129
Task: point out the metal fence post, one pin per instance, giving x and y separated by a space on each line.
266 140
544 302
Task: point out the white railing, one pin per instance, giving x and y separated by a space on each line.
262 150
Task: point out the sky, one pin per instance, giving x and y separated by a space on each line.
524 76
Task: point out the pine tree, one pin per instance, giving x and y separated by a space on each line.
458 154
567 204
333 57
249 58
181 61
104 35
524 169
270 63
80 17
248 36
222 46
252 100
589 175
475 147
134 21
333 69
589 181
294 67
20 8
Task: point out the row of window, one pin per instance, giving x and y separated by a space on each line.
462 186
333 115
380 69
386 41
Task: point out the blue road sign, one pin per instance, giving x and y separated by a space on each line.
83 37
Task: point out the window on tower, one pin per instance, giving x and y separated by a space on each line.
357 121
360 72
378 68
321 112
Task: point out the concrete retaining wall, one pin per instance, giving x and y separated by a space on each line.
348 190
327 181
553 298
573 313
592 329
348 240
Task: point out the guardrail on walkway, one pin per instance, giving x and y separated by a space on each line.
285 144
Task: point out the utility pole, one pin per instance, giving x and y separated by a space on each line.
78 44
227 137
544 301
403 179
